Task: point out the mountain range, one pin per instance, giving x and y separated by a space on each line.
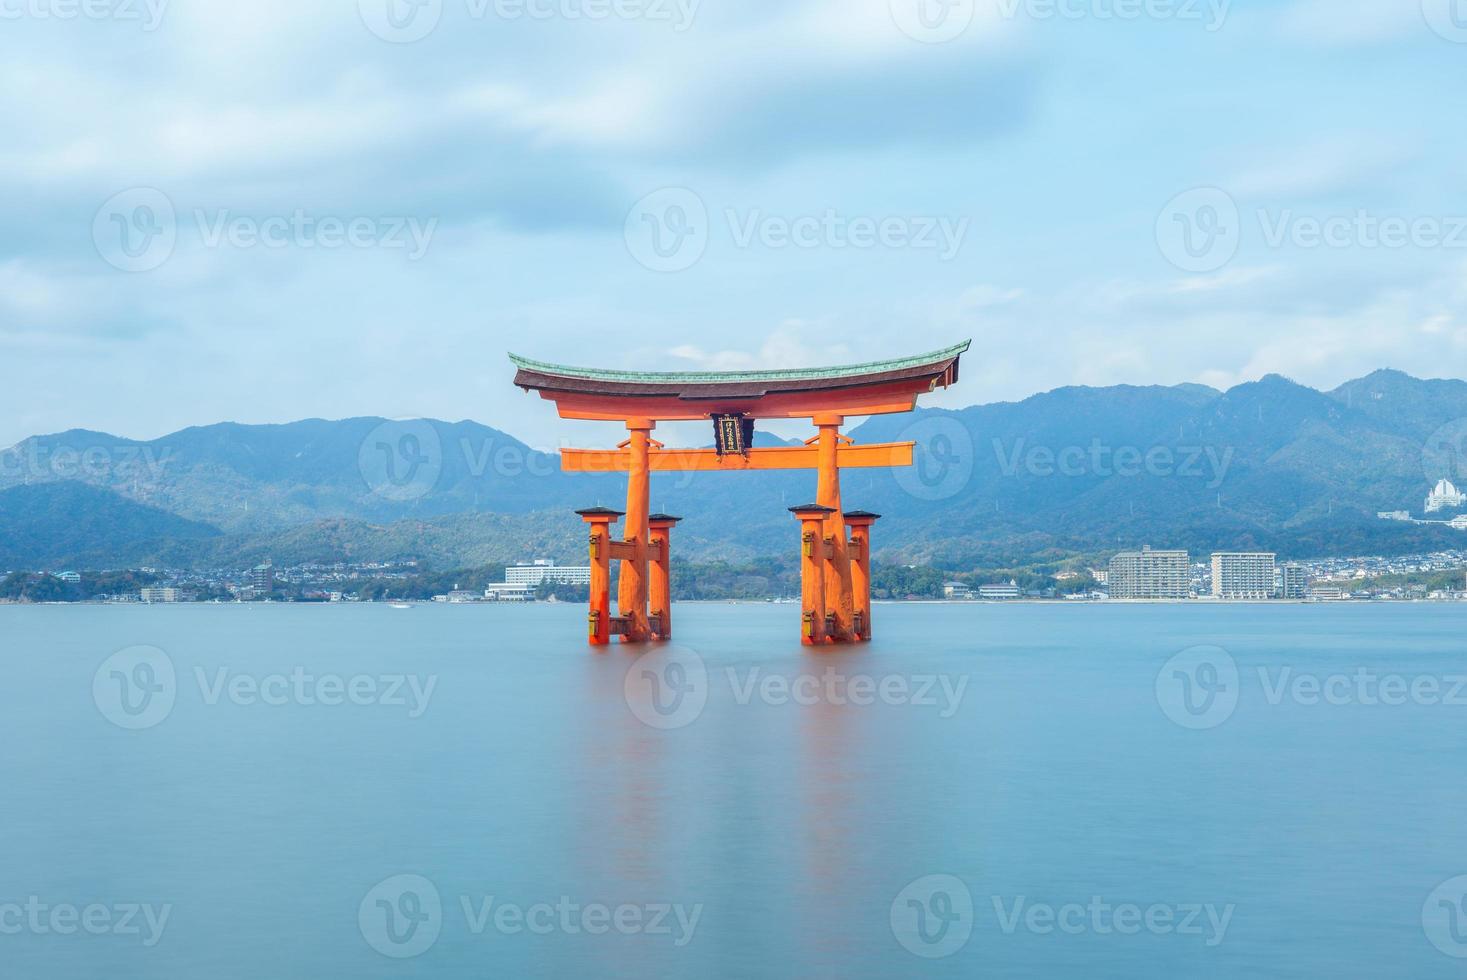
1268 464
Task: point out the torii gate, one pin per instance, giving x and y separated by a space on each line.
835 571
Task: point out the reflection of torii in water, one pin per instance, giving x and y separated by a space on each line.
834 570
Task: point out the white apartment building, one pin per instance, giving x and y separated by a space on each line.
158 595
507 592
1148 574
1009 590
1243 574
542 570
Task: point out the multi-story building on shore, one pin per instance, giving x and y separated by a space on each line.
1003 590
262 578
1243 574
1148 574
537 573
1293 582
159 595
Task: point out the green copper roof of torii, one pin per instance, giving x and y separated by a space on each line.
723 377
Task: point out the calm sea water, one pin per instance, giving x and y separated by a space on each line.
986 790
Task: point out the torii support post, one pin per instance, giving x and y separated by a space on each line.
598 622
632 586
814 555
860 521
839 598
659 573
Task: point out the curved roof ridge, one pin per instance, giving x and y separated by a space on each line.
718 377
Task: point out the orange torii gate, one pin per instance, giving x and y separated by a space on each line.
835 570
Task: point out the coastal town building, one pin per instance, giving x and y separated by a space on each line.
1293 582
508 592
542 570
1148 574
262 578
1006 590
1243 574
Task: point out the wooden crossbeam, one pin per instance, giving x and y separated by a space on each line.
885 454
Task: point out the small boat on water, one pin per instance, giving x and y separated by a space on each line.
401 605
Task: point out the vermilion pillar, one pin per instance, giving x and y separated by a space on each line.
632 587
813 559
860 522
839 598
598 622
659 573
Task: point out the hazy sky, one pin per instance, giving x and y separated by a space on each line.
268 210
